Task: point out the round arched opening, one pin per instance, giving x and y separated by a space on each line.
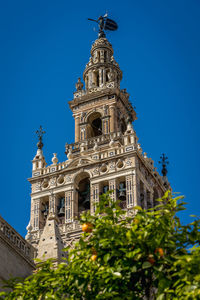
94 125
120 164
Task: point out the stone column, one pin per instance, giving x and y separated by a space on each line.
69 206
129 191
90 80
94 79
135 192
112 187
100 77
94 197
104 76
52 200
112 118
77 129
36 214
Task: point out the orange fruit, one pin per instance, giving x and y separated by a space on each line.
93 257
151 259
87 227
159 251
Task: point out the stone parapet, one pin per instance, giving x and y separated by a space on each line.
16 241
16 254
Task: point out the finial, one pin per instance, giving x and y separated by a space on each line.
79 85
40 133
54 159
105 24
164 163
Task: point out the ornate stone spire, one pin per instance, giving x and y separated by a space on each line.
102 71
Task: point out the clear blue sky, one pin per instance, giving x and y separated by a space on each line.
44 48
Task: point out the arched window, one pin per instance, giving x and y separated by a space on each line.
82 198
94 125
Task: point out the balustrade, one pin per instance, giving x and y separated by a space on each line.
9 234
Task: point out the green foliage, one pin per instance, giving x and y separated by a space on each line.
123 258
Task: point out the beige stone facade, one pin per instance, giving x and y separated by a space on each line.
16 254
106 155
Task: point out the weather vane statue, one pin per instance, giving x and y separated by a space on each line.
40 134
164 163
105 24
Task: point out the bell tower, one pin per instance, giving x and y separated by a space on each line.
110 109
105 156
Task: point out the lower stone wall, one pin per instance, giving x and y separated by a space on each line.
12 263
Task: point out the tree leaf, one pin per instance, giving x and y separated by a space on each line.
146 265
106 257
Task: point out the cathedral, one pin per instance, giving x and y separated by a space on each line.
105 156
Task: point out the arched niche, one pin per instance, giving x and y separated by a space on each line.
82 193
94 125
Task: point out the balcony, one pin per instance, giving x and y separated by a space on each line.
98 141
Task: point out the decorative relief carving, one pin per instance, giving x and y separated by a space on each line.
38 186
112 165
68 178
128 162
96 171
53 181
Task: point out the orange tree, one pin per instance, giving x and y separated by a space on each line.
150 256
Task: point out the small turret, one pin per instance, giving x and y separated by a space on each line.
102 69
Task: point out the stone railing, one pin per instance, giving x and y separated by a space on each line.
53 168
15 240
91 142
95 144
110 85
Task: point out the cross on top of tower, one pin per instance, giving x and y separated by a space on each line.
164 163
40 134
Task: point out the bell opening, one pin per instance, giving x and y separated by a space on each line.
94 125
83 195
